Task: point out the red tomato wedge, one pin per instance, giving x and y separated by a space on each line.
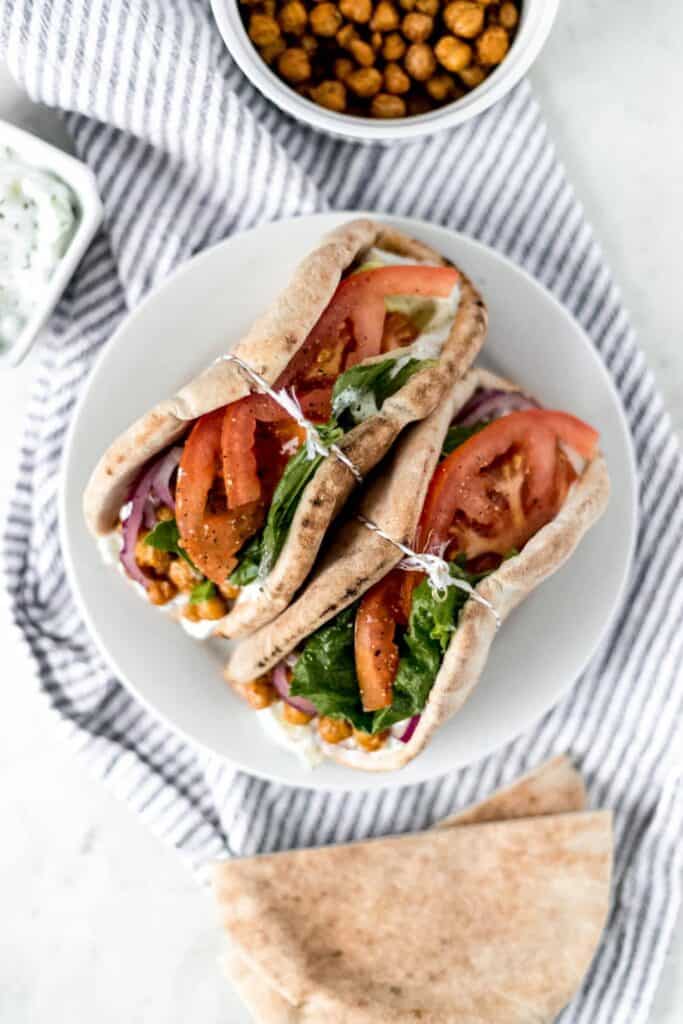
209 533
495 491
359 301
376 653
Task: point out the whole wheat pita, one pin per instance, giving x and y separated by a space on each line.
491 923
268 348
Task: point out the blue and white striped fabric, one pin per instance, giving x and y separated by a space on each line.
186 152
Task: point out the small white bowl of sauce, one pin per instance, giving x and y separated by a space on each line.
49 213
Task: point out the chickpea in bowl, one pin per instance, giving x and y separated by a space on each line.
381 59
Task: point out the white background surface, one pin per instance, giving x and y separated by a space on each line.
100 922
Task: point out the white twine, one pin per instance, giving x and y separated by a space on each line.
290 403
435 568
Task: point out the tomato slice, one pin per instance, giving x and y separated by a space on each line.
238 436
375 652
495 491
209 532
359 302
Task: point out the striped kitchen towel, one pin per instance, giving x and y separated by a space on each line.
186 152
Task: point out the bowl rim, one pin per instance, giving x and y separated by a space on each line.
81 180
537 18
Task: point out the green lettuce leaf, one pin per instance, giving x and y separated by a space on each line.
361 391
325 672
202 592
457 434
166 537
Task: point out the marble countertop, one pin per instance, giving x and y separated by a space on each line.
102 923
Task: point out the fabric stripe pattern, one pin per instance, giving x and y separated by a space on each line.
186 152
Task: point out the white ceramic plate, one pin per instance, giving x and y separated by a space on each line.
202 310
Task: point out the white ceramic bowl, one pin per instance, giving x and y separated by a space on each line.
537 17
81 181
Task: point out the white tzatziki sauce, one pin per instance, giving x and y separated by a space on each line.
38 219
110 552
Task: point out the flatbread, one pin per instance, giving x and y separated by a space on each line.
490 924
358 558
268 348
554 787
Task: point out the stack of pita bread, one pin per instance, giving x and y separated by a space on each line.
493 917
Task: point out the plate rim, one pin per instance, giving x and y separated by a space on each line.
373 780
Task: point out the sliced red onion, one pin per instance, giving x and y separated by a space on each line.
161 485
281 684
410 729
132 523
491 404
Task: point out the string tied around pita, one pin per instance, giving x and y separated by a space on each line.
290 403
436 569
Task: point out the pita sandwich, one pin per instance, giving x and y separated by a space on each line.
493 923
377 659
554 787
211 502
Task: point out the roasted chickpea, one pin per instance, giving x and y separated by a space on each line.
148 557
385 104
508 16
363 52
357 10
259 693
464 18
407 5
385 18
190 612
472 75
164 514
211 608
365 81
271 52
366 740
342 67
308 43
229 591
440 87
293 17
376 41
333 730
394 47
330 94
294 716
346 35
417 27
294 65
453 53
492 45
161 591
182 575
396 80
326 20
263 29
419 62
430 7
